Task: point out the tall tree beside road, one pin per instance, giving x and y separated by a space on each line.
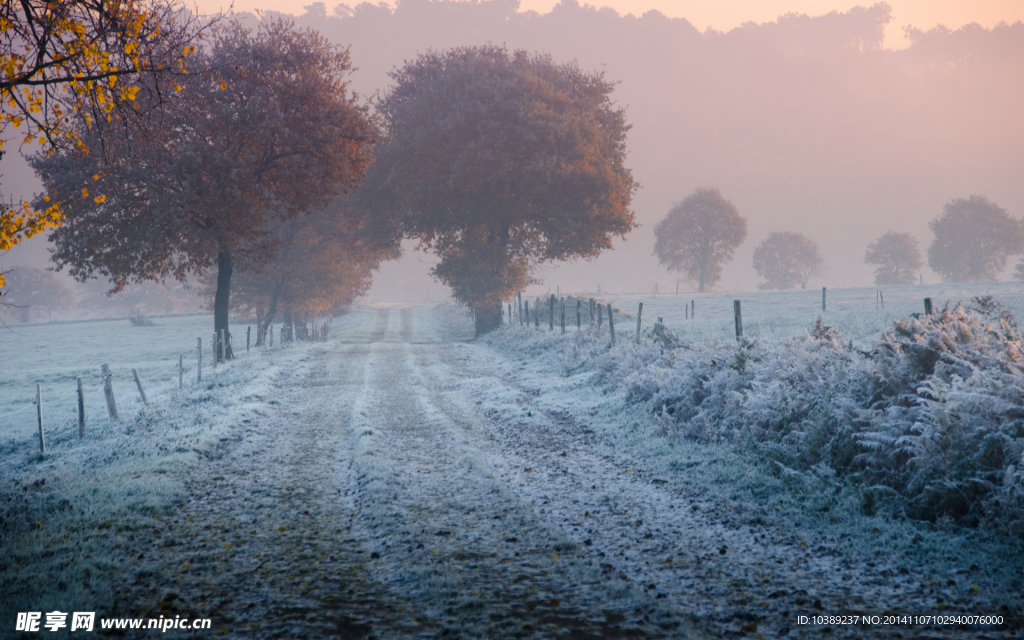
974 238
272 135
786 259
699 235
500 160
62 60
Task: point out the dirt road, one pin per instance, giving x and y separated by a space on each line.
409 483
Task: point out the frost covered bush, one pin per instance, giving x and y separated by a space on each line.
932 417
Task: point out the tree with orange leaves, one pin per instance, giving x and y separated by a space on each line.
66 60
273 134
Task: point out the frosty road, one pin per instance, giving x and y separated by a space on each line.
407 482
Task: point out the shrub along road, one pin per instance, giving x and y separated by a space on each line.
410 483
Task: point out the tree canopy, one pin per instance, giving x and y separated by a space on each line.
974 238
64 62
787 259
499 160
897 256
274 134
699 235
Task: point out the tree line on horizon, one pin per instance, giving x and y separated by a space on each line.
253 168
974 239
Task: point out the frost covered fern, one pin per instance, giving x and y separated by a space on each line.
931 419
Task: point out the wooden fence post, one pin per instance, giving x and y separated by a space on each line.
199 360
247 330
223 345
599 307
551 314
677 288
590 319
739 319
536 313
39 415
927 306
526 318
823 298
563 315
108 391
579 314
215 350
882 297
181 370
81 409
693 309
611 322
638 320
138 382
519 306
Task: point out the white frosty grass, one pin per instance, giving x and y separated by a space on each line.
66 517
727 466
787 314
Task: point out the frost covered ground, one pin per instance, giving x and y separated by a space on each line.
402 480
785 314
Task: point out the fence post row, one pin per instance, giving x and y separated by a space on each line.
81 409
611 322
638 318
108 391
739 319
39 415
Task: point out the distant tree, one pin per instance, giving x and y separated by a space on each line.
498 161
897 257
973 240
35 293
135 298
274 136
699 235
786 259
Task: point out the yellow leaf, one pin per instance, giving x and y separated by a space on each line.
281 528
223 86
85 193
100 199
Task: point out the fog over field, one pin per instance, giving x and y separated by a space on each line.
806 123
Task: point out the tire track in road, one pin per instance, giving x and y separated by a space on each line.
448 531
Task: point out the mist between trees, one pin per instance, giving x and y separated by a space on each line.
833 109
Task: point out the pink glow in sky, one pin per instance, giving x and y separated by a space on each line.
725 15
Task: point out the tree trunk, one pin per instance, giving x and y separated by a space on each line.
275 295
221 298
487 319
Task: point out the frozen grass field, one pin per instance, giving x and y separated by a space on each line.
310 478
786 314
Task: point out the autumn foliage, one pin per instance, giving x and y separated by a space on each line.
269 135
68 62
500 160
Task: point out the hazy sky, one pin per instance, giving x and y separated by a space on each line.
724 15
797 129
